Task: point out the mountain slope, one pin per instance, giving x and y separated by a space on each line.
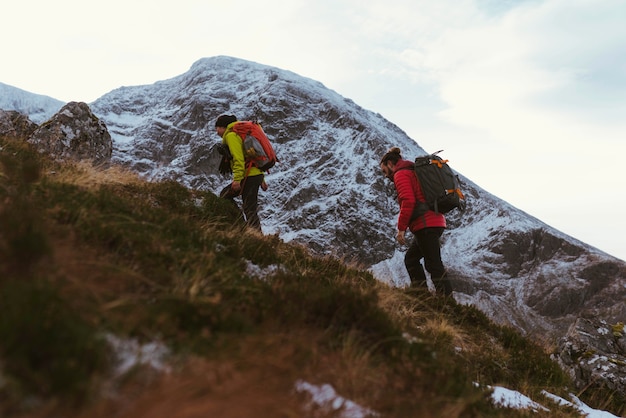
126 298
327 191
39 108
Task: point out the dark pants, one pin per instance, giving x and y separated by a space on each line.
426 245
250 197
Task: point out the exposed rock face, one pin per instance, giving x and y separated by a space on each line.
16 124
74 133
594 351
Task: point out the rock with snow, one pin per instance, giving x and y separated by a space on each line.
74 133
594 351
16 124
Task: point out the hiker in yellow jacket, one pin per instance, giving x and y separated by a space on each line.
246 179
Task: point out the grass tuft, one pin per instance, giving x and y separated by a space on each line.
47 349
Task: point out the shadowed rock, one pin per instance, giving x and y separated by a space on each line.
594 351
16 124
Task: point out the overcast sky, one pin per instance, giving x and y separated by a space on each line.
526 97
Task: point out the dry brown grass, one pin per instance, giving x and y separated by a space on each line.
402 307
85 174
440 329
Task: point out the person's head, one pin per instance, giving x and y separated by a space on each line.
222 123
389 160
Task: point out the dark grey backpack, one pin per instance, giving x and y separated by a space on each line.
441 187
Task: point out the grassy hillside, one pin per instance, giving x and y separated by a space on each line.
94 255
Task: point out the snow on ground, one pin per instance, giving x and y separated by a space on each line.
392 271
512 399
325 397
129 353
580 406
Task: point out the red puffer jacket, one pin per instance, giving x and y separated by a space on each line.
409 190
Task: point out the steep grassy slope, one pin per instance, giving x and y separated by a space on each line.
93 255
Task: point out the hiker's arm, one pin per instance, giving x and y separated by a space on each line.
236 150
406 198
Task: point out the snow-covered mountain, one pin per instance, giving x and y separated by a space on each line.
39 108
328 194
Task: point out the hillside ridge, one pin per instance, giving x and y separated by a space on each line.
106 260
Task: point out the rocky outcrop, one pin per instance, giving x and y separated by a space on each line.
16 124
74 133
594 351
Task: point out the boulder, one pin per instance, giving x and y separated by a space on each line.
74 133
594 350
16 124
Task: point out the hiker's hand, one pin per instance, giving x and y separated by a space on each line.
236 186
400 237
264 186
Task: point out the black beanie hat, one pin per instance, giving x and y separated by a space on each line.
225 120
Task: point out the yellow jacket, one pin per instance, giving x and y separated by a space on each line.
238 162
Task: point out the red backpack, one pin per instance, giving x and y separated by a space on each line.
257 149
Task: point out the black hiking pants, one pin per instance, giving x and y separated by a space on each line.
250 197
426 245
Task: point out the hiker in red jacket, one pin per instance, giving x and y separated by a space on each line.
427 227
